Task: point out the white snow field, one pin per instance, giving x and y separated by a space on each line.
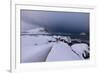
34 49
41 48
35 40
61 52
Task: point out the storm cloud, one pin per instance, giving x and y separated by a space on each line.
55 22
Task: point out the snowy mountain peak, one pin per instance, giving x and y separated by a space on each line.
37 31
83 33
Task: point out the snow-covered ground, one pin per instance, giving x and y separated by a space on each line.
81 49
41 48
61 52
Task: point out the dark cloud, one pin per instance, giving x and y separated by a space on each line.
65 22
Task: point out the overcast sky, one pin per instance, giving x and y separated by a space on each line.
55 22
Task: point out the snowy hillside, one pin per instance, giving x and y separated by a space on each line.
41 48
61 52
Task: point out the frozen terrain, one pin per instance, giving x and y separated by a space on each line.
41 48
61 52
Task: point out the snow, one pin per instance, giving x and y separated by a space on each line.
63 38
35 40
83 33
37 31
80 48
41 48
35 53
61 52
35 48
